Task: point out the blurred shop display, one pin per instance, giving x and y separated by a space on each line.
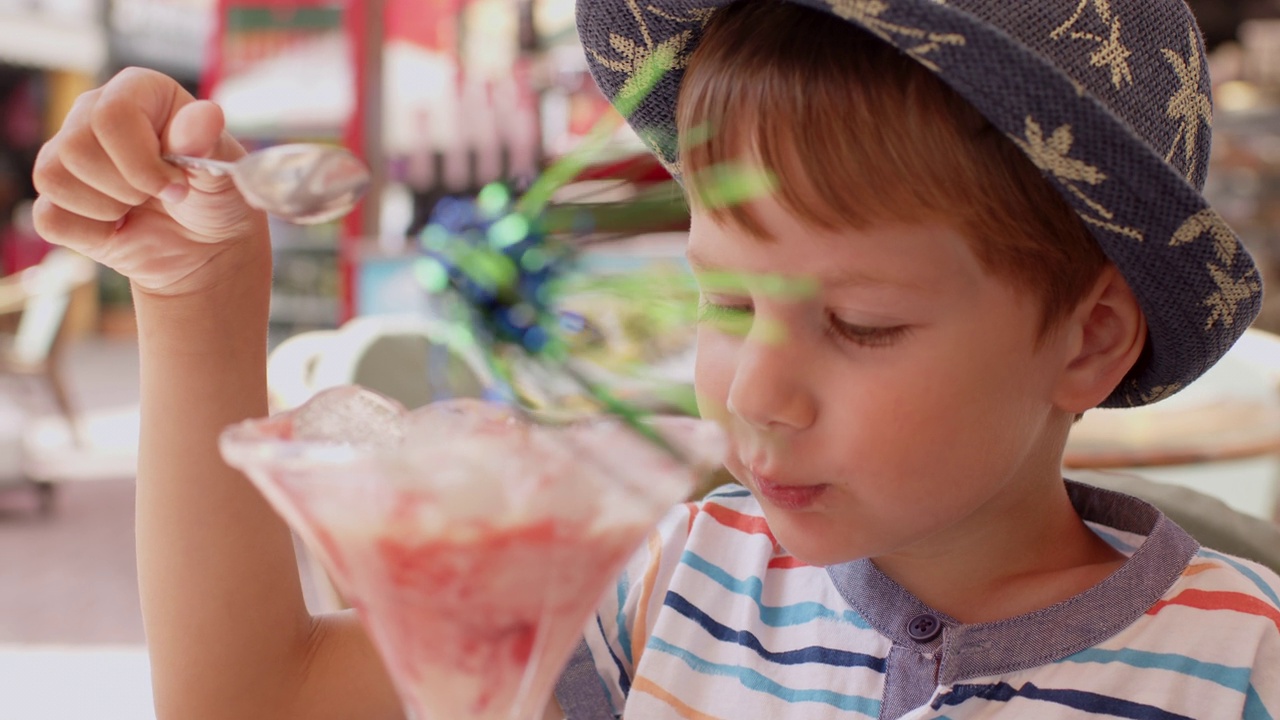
570 103
21 128
1221 19
32 101
440 98
172 36
283 72
287 71
54 34
51 51
1244 177
24 101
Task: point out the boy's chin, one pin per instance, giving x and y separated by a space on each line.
803 539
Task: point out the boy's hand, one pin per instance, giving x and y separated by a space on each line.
106 192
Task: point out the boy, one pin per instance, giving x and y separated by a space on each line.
903 443
907 546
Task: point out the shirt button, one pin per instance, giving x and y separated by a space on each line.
923 628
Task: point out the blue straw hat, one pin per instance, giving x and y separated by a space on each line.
1109 98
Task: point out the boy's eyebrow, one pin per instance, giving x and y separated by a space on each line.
847 278
838 279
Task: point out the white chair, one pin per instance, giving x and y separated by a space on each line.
412 359
40 296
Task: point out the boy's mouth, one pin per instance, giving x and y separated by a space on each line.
786 496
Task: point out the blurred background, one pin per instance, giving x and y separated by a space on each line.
440 97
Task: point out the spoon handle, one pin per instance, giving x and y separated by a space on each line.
213 167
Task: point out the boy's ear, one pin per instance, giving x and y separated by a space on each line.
1104 336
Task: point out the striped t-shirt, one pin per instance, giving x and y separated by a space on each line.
713 620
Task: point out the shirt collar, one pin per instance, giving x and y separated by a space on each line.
1041 636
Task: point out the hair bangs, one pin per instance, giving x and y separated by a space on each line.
854 133
793 101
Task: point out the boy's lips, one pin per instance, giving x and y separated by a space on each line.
786 496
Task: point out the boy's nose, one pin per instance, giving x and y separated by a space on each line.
770 389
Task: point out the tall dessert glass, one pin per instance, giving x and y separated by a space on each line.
473 543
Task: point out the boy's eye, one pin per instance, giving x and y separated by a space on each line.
864 335
735 317
726 316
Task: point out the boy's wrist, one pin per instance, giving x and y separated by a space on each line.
233 296
244 266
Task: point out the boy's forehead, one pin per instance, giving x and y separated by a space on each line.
777 190
898 256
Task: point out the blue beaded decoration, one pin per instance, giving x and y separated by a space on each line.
501 264
504 267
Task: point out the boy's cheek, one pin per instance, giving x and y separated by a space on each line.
711 403
713 376
712 409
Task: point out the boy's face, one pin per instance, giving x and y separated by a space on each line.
892 410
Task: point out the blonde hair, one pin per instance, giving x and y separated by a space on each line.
857 133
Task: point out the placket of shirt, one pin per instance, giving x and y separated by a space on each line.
911 679
954 652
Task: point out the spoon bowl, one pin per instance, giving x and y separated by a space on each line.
303 183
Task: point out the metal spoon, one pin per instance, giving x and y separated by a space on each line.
303 183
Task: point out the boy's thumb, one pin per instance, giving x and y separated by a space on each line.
198 129
194 129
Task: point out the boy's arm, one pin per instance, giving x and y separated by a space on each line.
228 631
227 628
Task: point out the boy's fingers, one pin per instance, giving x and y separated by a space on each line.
70 193
62 227
78 115
81 157
128 119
